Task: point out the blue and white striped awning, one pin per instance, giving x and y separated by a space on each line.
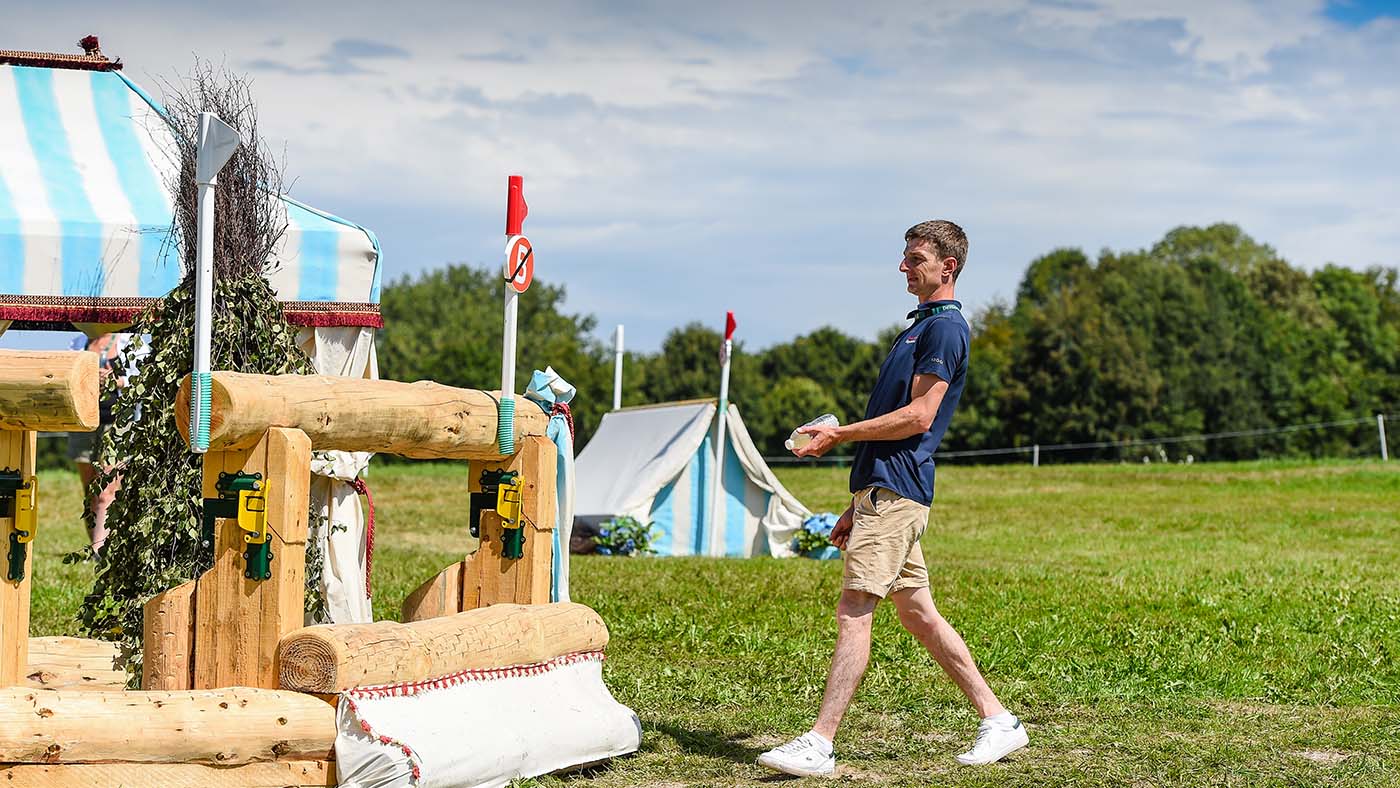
85 211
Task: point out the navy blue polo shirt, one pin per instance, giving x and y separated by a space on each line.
934 345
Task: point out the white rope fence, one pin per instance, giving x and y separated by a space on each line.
1034 450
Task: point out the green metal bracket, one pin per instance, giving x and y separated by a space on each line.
19 500
500 491
242 496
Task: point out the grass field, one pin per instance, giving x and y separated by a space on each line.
1221 625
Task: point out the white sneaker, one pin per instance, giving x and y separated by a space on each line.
995 740
804 756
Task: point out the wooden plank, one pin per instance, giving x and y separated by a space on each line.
16 453
167 638
223 726
48 390
278 774
240 620
284 594
424 419
73 664
440 596
216 595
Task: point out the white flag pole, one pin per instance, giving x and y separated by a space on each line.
716 513
617 368
216 144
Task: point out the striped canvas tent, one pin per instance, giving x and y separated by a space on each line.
655 463
85 211
86 160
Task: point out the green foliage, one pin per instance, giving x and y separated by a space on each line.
154 522
625 536
1206 331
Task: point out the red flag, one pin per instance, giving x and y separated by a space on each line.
516 209
729 325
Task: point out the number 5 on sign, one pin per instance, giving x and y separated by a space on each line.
520 263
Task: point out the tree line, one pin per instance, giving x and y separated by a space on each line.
1207 331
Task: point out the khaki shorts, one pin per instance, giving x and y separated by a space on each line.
883 555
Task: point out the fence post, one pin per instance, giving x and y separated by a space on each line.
1035 456
1380 426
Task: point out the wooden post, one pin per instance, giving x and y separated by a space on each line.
486 576
17 453
240 621
167 639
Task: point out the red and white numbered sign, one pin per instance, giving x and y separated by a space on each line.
520 263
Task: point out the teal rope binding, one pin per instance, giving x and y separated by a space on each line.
199 416
505 424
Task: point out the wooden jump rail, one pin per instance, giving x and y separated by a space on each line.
223 628
39 390
227 661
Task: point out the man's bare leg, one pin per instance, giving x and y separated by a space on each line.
854 614
918 615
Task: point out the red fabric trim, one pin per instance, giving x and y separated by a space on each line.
362 488
414 764
14 57
332 319
92 310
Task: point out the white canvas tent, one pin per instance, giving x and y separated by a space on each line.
655 462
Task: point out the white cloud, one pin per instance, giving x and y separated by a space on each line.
765 157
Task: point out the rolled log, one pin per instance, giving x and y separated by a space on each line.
224 726
51 391
424 420
338 657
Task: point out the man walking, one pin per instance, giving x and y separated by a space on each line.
915 395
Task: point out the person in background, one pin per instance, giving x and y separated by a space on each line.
83 447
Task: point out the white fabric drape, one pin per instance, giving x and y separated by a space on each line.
340 531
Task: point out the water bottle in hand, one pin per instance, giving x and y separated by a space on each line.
799 439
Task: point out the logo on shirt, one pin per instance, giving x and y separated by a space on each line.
912 340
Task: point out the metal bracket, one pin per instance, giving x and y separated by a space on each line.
19 499
507 488
242 496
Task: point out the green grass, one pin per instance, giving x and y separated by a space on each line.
1153 625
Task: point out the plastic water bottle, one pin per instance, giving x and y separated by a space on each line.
799 439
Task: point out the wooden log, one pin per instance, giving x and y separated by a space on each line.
239 621
441 596
228 726
17 452
276 774
48 391
167 639
337 657
424 419
73 664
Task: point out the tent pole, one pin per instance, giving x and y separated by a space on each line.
715 514
617 369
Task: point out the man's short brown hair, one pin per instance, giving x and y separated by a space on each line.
946 238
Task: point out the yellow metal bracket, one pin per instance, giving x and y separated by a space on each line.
252 515
27 511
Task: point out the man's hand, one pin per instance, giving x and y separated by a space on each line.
824 439
841 533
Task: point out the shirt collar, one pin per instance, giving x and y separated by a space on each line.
931 308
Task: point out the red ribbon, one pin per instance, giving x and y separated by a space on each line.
361 488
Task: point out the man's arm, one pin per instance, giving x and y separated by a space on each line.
925 396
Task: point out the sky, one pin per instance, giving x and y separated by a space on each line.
683 159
